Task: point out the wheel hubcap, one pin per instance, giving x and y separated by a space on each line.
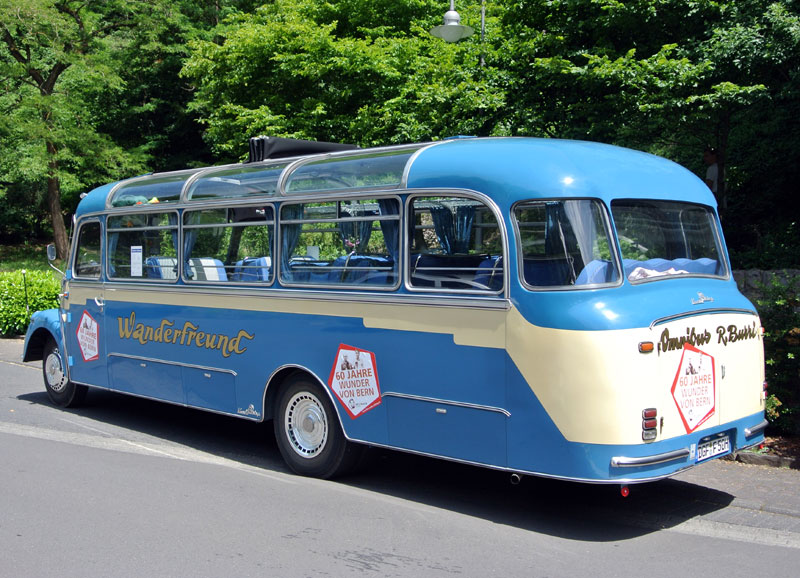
54 373
306 425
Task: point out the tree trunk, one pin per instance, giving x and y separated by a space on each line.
54 204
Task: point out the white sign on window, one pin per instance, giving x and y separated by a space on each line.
136 261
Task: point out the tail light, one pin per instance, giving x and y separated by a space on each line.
649 424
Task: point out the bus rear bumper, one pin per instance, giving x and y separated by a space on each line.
626 462
680 454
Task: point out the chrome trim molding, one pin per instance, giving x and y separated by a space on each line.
755 430
471 300
624 462
446 402
703 312
169 362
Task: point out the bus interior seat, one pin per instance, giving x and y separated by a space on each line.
595 272
490 272
252 269
161 268
546 272
206 269
701 266
362 269
445 271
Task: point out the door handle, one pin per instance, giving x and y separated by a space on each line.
99 301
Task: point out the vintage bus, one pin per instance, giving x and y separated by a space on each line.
538 306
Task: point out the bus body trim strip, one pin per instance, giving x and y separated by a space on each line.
505 412
178 363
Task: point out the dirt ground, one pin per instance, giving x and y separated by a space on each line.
782 446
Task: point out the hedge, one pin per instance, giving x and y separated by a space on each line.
779 308
21 294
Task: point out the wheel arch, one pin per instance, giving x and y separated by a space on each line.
287 372
43 325
34 345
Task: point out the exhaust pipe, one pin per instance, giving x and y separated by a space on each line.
515 479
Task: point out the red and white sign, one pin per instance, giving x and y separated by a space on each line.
694 387
88 337
354 380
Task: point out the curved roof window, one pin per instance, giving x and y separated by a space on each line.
382 169
152 189
237 182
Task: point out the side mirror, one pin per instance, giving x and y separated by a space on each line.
51 257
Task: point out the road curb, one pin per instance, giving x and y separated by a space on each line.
766 460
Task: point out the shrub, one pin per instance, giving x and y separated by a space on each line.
779 309
15 308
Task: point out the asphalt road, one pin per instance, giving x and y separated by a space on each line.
127 487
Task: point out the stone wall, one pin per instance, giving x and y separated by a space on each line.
751 280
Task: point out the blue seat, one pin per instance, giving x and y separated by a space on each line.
546 272
161 268
702 266
362 269
252 269
490 272
206 269
445 271
596 272
306 270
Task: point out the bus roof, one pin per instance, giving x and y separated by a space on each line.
507 169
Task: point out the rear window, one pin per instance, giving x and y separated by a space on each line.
666 238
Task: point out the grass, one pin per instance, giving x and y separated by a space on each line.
31 257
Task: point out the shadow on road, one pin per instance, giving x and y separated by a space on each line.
568 510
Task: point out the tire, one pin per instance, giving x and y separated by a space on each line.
308 433
62 391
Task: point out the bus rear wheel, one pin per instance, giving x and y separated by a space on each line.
308 433
62 391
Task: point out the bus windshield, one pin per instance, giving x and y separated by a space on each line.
666 238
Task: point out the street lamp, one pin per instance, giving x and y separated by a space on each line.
452 30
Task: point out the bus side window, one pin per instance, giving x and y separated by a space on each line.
351 242
564 243
233 244
454 243
87 256
143 246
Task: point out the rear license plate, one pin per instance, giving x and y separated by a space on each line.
712 448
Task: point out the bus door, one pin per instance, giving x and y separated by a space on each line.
142 270
84 307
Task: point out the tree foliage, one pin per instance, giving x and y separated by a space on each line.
355 71
134 85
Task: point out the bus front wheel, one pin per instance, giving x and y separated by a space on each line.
62 391
308 433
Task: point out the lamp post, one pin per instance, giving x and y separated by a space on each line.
452 30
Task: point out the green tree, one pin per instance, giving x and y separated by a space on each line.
54 53
352 71
670 77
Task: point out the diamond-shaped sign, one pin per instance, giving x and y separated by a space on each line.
354 380
88 337
694 387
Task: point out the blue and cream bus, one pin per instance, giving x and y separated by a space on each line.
543 307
